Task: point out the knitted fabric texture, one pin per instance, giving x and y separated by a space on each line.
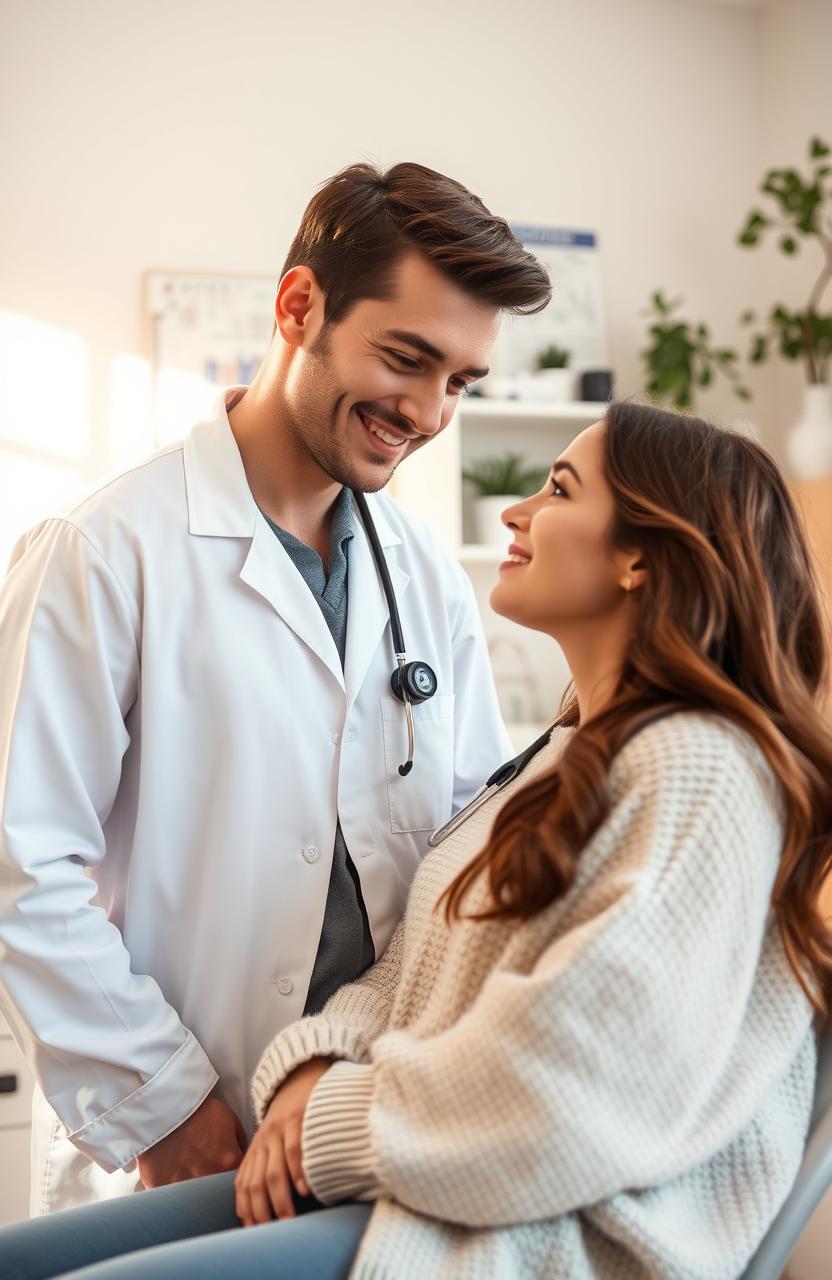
617 1089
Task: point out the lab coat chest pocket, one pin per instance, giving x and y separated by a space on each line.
422 800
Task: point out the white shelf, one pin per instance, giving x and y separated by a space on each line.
585 411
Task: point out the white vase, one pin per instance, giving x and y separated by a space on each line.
809 443
489 528
554 386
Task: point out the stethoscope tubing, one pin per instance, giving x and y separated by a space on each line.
500 778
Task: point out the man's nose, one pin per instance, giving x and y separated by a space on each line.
429 412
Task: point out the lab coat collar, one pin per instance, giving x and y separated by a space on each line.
220 504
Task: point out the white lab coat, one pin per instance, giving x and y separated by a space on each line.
177 740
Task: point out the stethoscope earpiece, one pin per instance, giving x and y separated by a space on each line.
411 681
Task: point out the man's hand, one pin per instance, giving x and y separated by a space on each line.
273 1161
212 1140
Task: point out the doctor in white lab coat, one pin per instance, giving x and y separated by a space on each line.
179 738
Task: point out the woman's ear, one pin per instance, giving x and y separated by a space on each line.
632 573
297 306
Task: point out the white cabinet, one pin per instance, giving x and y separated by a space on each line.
529 668
15 1125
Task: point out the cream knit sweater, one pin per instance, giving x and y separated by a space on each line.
619 1088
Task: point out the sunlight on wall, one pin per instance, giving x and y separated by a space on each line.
131 411
31 489
44 423
44 375
181 399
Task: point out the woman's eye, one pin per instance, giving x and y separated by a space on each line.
558 490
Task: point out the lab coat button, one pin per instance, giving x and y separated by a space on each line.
310 853
285 986
336 738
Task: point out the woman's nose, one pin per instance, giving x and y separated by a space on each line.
516 516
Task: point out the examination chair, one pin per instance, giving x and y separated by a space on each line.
814 1177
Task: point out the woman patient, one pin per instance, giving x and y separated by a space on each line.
589 1050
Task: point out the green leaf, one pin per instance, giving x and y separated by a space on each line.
553 357
705 377
788 244
818 149
502 474
754 224
742 392
759 349
747 317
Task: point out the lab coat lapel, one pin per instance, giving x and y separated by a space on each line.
269 571
220 504
367 615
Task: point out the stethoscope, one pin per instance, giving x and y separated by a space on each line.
414 682
411 682
500 778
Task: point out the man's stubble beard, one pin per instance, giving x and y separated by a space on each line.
324 444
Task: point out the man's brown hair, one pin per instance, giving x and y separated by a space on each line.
356 228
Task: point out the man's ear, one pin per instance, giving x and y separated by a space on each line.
298 308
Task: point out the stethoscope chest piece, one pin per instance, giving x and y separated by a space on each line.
419 680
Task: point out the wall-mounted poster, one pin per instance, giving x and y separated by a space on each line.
204 332
574 319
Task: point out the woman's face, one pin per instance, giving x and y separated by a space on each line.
570 571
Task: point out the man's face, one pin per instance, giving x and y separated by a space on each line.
397 366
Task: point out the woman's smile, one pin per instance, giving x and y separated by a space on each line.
516 557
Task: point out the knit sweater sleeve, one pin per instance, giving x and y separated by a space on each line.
602 1068
345 1028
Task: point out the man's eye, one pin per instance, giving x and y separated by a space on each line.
460 386
404 361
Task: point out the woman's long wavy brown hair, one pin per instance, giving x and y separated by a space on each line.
729 621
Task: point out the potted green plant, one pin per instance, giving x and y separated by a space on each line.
802 210
500 481
681 356
553 378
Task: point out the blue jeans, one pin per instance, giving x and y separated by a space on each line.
187 1229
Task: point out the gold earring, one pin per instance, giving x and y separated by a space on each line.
628 585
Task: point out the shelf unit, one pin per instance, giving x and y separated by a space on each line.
530 671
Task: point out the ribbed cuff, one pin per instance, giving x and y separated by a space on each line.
336 1143
314 1037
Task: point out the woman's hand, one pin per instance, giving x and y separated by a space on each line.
273 1160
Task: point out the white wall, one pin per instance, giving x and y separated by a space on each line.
189 134
797 103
